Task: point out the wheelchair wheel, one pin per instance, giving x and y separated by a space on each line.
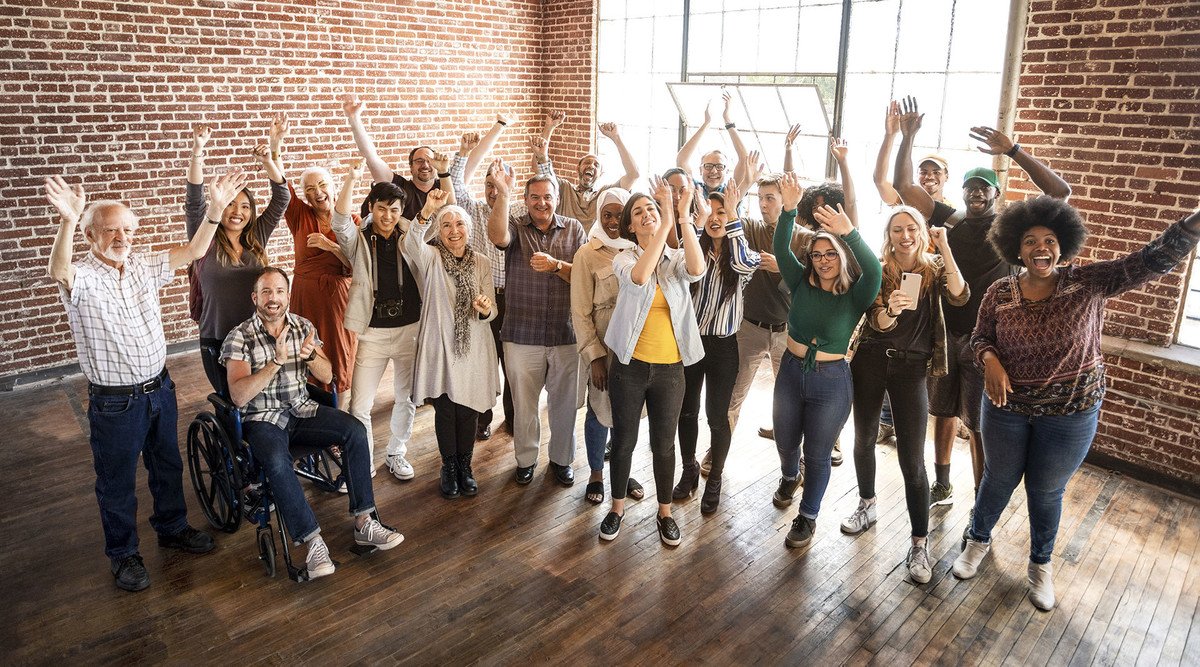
216 474
266 549
321 469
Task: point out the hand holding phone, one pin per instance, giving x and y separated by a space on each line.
910 284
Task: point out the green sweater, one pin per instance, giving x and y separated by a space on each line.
822 320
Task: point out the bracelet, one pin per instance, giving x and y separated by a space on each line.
444 175
730 126
501 122
889 313
311 356
276 362
1012 152
212 222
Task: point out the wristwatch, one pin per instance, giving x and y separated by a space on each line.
557 265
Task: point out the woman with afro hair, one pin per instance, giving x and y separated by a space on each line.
1038 341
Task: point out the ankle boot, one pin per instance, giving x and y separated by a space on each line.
466 479
712 494
689 481
449 481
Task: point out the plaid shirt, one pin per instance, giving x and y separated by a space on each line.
286 395
116 319
537 309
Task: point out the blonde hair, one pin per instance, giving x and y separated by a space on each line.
927 263
848 270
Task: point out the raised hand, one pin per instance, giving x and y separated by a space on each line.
308 346
503 180
482 305
838 147
834 222
995 142
468 142
434 201
441 162
610 130
754 167
727 98
505 118
280 126
554 119
354 169
703 208
320 242
537 144
891 119
201 133
708 113
938 236
262 153
790 190
282 349
733 196
792 135
660 189
351 105
69 200
910 116
222 189
768 262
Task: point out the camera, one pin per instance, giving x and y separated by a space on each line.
389 308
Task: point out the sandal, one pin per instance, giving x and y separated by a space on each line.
594 492
634 490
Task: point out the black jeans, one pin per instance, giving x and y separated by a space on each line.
904 380
485 417
454 426
718 372
659 387
213 369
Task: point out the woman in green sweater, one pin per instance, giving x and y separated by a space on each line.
830 292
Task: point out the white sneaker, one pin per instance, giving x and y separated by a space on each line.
1041 586
967 563
862 518
375 534
400 467
918 564
318 563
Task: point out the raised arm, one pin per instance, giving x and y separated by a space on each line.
891 127
683 159
341 222
483 145
743 260
441 164
788 141
69 201
194 205
866 288
693 255
996 143
498 217
739 169
648 260
221 190
902 178
200 135
415 246
789 265
353 108
956 290
280 126
632 174
839 148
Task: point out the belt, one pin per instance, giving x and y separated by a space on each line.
906 356
499 291
773 328
130 389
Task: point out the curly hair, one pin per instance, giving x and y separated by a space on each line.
1055 214
831 192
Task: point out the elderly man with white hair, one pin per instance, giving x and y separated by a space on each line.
112 302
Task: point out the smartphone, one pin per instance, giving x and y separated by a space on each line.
910 284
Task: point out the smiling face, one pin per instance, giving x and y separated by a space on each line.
715 227
589 171
421 166
454 232
907 236
385 215
1039 251
643 219
271 297
539 199
932 178
979 196
111 235
826 261
770 202
316 192
712 169
237 214
677 182
610 219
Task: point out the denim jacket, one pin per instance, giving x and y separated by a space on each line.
633 305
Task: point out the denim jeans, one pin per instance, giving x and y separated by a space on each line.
658 387
715 374
276 448
877 376
595 437
813 407
1046 451
122 427
454 425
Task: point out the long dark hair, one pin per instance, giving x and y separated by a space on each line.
627 215
248 238
723 264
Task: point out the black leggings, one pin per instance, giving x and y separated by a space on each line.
212 367
904 381
659 387
717 373
454 425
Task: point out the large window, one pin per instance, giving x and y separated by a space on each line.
1189 329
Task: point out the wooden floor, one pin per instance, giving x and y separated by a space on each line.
517 574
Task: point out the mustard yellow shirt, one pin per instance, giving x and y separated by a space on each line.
656 344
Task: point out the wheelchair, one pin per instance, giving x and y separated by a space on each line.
232 487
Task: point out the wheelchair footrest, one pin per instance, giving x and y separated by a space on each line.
363 549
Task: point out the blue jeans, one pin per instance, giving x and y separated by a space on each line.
272 446
122 427
595 437
813 407
1046 451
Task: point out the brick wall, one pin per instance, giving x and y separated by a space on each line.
106 94
1108 97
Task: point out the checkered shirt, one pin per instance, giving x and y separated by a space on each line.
286 395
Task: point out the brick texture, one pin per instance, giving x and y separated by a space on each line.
1108 98
106 95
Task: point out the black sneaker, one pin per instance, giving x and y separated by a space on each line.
801 535
668 531
188 540
131 574
786 492
610 527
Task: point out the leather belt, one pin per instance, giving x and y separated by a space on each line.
773 328
906 356
130 389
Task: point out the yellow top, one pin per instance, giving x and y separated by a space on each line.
656 344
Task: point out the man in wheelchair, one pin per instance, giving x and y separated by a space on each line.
268 358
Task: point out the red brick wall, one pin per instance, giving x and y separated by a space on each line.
106 94
1108 97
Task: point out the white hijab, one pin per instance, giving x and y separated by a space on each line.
610 196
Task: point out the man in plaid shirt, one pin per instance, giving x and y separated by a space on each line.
268 359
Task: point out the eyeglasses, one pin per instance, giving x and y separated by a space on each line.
828 255
713 166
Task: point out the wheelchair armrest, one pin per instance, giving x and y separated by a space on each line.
326 398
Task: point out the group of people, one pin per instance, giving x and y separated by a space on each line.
635 303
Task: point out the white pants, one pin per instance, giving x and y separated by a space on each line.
754 344
375 348
529 369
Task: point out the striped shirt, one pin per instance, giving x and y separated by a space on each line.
717 313
286 395
116 318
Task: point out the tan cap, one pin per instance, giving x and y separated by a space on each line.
936 159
